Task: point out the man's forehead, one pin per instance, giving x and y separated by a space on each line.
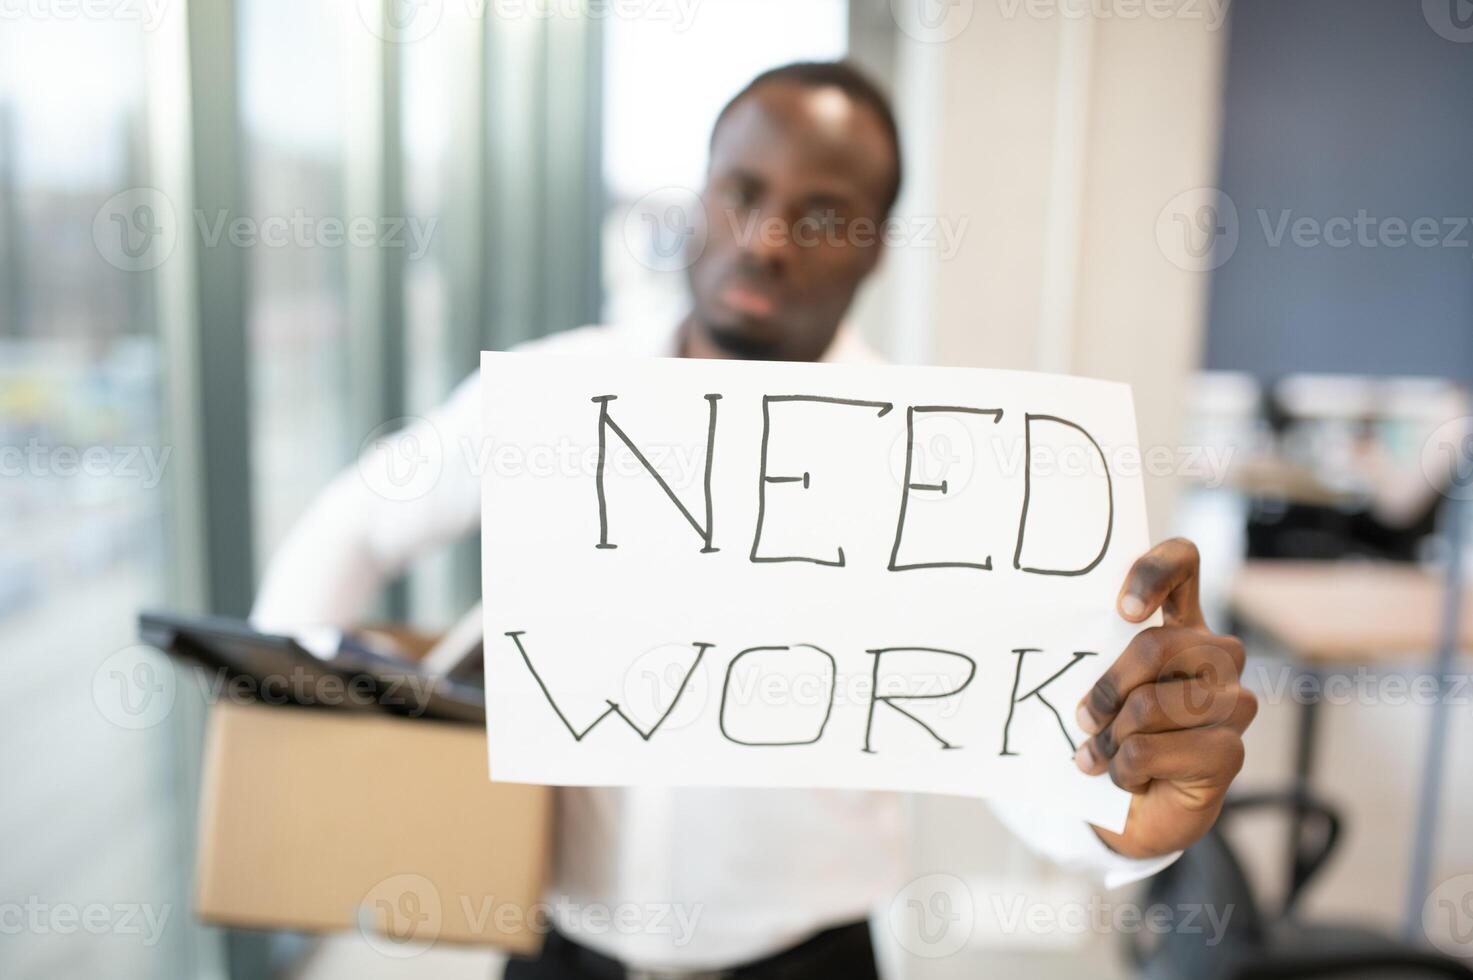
821 127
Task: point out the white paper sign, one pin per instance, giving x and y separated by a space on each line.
742 574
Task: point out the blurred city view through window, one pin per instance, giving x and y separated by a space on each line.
83 496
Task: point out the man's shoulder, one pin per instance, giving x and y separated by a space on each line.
623 338
595 339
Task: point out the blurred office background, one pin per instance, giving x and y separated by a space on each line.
1227 206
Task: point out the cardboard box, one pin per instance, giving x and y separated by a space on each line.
319 820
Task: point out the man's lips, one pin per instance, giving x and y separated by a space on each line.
752 302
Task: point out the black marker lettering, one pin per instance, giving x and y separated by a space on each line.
1037 692
613 706
828 709
605 423
1028 421
907 486
763 479
890 699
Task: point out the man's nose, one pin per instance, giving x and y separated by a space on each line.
768 249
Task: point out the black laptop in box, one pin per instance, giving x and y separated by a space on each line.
279 670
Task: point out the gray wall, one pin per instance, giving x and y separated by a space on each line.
1333 107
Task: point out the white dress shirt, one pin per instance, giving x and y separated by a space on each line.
660 878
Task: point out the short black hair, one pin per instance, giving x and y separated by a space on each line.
831 74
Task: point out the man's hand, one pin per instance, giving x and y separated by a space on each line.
1167 718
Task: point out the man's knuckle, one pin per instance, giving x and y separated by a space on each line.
1141 706
1247 705
1134 754
1151 573
1104 698
1183 654
1187 551
1155 646
1226 702
1210 665
1122 774
1235 649
1193 703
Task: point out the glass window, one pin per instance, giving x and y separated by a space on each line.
84 470
292 71
429 90
438 77
655 129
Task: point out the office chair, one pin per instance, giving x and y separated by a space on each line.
1256 944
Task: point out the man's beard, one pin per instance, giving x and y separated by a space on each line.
737 343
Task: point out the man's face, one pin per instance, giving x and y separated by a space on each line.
794 204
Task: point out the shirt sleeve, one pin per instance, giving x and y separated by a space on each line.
1070 843
414 490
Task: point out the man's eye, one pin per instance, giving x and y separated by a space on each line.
826 218
741 197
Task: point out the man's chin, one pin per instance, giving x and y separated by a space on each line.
747 341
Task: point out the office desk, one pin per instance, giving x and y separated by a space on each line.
1274 477
1339 613
1329 615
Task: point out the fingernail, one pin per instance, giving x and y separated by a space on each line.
1086 720
1132 606
1085 758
